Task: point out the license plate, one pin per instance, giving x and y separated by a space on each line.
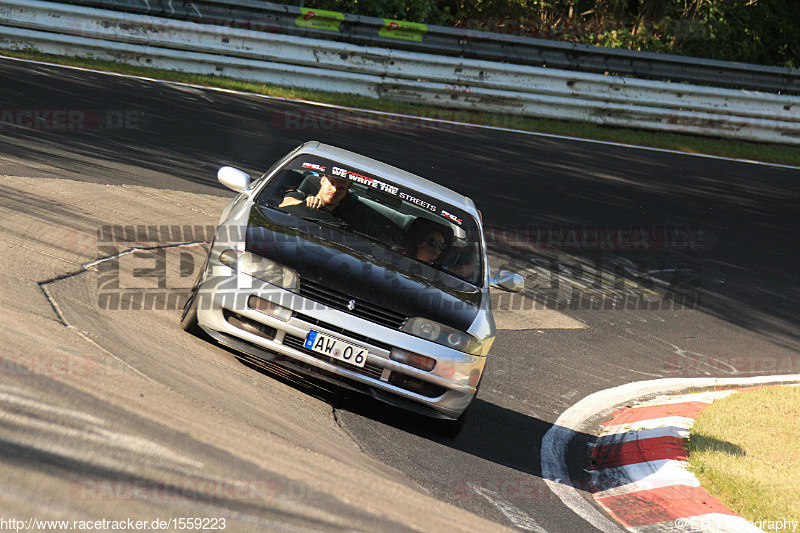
336 348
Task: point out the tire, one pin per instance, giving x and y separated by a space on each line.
189 316
452 428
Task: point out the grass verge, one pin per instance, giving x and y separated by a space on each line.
773 153
745 450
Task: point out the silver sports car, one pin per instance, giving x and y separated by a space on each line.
351 270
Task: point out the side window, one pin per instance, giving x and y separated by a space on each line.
271 169
280 186
310 185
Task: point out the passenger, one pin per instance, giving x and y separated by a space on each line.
462 265
331 196
428 240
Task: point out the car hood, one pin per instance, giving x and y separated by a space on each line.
361 269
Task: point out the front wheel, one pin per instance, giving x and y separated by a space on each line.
189 316
452 428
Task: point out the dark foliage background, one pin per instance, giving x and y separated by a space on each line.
766 32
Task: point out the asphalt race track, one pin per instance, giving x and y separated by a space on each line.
115 413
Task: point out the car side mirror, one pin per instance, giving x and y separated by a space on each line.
508 281
234 179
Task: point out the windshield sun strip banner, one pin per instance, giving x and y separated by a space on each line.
446 211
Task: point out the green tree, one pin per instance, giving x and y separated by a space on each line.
752 31
426 11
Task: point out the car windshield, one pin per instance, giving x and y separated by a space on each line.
374 209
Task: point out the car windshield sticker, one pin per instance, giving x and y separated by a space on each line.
449 213
314 166
364 180
414 200
451 217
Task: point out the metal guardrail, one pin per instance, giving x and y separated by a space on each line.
398 75
383 33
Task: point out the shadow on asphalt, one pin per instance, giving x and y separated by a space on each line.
492 432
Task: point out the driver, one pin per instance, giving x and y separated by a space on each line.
331 196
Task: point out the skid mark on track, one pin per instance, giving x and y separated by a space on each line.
700 358
519 518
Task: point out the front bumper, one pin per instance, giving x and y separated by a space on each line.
223 312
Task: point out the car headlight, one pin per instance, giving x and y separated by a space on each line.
446 336
260 268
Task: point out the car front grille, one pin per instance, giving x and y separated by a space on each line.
339 300
298 344
347 333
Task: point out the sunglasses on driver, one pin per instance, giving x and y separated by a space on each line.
432 242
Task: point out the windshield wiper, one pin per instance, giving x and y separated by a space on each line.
372 238
326 223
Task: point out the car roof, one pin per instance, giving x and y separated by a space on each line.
399 176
